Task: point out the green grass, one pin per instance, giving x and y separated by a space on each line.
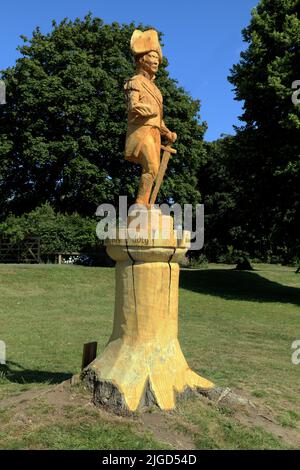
80 434
215 430
239 327
70 427
236 328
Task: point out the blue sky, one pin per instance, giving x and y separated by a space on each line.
202 40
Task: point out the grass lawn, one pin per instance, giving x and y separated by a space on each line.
236 328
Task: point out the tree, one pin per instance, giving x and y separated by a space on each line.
233 224
263 80
57 232
62 131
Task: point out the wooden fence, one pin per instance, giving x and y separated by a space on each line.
27 251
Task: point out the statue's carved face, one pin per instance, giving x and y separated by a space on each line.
150 62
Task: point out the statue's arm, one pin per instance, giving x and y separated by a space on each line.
165 132
135 106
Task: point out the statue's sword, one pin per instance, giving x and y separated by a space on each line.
162 170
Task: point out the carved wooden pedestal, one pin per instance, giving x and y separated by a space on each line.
143 363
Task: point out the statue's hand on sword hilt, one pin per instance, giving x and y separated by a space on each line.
166 148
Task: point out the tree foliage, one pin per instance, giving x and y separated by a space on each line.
252 193
57 232
62 132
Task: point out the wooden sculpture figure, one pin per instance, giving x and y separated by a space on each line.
145 112
142 364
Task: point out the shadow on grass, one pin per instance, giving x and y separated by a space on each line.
237 285
15 373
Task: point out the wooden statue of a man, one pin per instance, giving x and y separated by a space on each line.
145 112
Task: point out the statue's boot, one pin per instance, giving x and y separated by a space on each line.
144 191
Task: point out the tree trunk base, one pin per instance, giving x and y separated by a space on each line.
128 377
143 364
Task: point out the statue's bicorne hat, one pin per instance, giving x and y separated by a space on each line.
143 42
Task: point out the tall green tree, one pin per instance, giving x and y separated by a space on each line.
62 131
233 188
270 137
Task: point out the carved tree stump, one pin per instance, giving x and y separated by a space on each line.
143 363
